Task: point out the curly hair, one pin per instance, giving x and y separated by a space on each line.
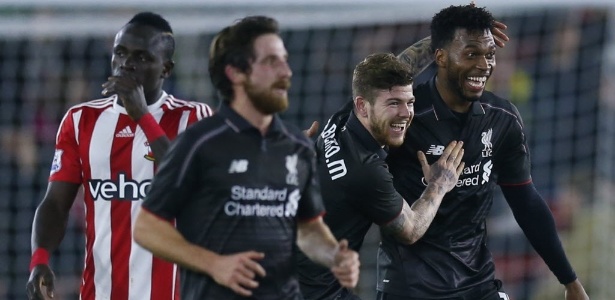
447 21
234 45
379 71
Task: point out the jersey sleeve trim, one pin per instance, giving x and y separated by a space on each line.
310 219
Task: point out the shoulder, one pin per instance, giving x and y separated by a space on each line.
422 93
172 103
296 135
491 101
207 126
96 104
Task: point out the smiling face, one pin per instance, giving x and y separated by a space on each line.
139 52
465 65
269 77
389 114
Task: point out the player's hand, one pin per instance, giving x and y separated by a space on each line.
40 285
497 31
446 170
499 36
310 132
130 93
238 271
346 268
575 291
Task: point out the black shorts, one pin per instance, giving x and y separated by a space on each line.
486 291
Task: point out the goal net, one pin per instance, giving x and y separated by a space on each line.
558 68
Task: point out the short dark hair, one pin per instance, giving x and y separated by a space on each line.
447 21
379 71
234 45
159 23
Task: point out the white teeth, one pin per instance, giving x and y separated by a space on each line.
481 79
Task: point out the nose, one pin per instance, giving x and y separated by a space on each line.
285 70
484 64
127 64
405 111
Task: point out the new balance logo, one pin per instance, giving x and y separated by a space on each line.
435 150
238 166
126 132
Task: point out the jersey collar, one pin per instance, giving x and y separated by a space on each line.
363 136
238 123
442 111
151 108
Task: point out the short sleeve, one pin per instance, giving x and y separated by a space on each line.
311 205
512 162
375 194
66 164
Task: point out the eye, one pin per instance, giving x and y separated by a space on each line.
490 55
119 52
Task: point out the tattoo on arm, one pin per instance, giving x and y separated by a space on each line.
413 221
418 56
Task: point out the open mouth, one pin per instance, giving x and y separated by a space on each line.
398 127
476 83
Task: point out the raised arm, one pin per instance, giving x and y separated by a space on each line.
318 243
442 176
132 97
418 56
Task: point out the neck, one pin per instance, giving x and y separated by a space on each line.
152 96
451 99
244 107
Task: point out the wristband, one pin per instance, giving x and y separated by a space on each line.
39 257
152 130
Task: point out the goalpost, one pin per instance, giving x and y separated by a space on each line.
558 68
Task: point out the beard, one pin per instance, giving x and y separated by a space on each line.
455 81
265 100
380 129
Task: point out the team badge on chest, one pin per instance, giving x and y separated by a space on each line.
291 166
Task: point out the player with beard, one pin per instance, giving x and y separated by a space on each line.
452 261
242 185
357 186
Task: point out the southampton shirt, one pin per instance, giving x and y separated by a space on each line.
99 146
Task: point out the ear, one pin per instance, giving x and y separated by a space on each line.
234 75
167 67
441 57
361 106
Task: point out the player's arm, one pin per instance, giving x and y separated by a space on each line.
48 229
318 243
413 221
419 55
237 271
538 225
131 94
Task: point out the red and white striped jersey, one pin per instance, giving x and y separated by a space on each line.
99 146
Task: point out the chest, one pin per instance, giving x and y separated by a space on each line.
482 135
249 163
113 143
